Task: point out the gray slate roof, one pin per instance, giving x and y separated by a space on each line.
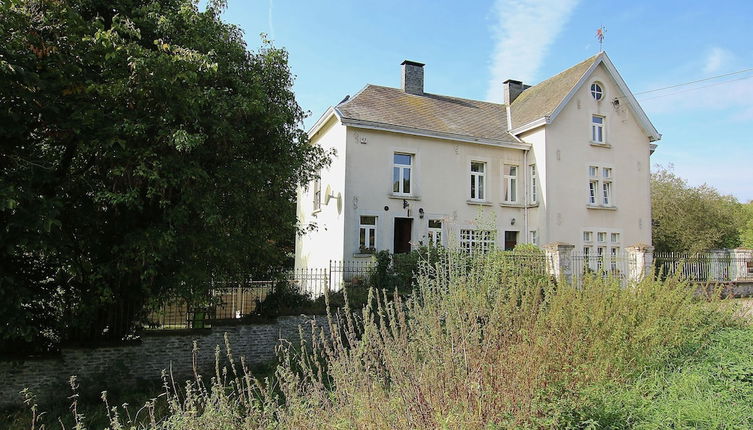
442 114
457 116
540 100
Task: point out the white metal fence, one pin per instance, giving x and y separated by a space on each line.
714 266
613 265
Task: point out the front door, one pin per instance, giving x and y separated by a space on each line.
403 227
511 239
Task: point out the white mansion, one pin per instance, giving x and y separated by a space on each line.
566 160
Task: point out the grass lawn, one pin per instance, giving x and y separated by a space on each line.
714 390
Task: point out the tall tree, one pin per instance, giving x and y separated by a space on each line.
691 219
144 149
746 231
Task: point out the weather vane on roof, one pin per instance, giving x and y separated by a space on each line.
600 35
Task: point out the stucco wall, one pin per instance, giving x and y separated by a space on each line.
316 248
569 153
441 186
539 218
104 368
562 152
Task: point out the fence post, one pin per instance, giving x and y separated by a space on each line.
559 260
720 262
640 260
329 278
739 258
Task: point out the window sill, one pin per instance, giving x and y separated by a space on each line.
479 202
403 196
518 205
359 255
603 208
601 145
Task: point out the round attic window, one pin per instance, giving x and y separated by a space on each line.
596 91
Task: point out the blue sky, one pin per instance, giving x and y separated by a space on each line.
469 48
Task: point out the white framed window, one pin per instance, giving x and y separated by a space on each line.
601 237
477 240
600 254
606 184
510 183
597 128
317 194
614 253
597 92
533 237
588 260
604 254
435 232
534 183
367 233
587 251
402 167
593 184
600 189
478 180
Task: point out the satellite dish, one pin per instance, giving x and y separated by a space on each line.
327 195
339 203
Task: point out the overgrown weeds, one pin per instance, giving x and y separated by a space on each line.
479 344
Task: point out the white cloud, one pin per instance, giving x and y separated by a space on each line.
716 59
524 30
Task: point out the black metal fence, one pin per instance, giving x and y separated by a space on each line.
227 301
230 301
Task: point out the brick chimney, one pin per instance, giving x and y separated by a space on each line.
513 89
412 80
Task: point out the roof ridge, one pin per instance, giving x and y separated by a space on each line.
350 98
435 94
432 112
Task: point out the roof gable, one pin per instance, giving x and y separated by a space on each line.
547 99
542 99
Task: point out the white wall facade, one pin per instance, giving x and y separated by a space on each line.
316 248
569 152
561 152
440 187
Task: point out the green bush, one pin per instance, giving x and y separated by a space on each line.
478 345
399 270
285 299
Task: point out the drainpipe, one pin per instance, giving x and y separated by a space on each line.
525 195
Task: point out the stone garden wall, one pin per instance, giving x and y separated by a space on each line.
103 368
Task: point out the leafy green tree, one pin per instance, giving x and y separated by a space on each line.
691 219
144 149
746 231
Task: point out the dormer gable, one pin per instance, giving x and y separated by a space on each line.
542 103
